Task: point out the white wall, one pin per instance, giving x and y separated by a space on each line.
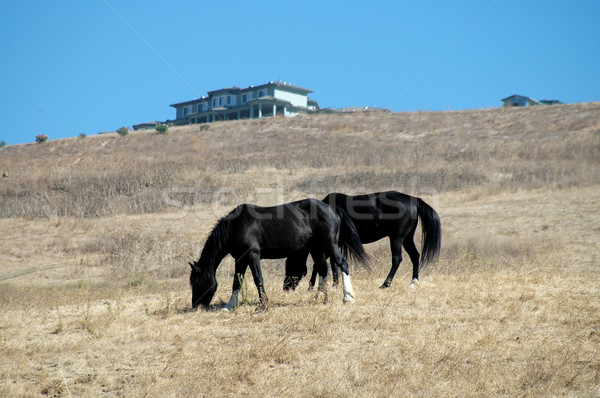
295 99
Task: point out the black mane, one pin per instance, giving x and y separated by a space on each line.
215 247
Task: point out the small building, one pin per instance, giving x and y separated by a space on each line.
551 102
519 100
233 103
146 126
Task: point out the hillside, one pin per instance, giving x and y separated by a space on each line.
484 150
97 233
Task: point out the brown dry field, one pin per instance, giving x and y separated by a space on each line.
97 232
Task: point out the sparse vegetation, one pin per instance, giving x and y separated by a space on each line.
162 129
2 144
123 131
100 305
82 136
41 138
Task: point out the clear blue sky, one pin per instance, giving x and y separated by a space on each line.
73 66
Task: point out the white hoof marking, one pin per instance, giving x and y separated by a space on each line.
233 301
347 287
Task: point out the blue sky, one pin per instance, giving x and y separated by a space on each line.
73 66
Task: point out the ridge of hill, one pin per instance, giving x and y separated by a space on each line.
490 150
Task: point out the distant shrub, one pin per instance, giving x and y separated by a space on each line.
2 144
123 131
82 136
41 138
204 127
162 129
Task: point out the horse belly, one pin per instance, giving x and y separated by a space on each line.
283 244
369 231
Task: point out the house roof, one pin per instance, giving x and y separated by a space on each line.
288 86
270 98
227 90
234 89
518 96
190 102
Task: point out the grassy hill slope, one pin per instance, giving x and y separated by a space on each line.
97 233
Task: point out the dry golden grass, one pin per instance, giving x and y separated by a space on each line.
97 232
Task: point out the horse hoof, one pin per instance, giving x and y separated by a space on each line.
348 298
260 309
225 309
414 283
384 286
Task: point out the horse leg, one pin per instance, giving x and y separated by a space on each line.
396 247
258 280
411 249
319 267
335 274
295 269
241 265
315 271
313 277
339 261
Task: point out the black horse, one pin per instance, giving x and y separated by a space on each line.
250 233
377 215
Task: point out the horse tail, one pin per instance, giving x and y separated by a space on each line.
349 241
431 228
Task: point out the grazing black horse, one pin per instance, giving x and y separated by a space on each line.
377 215
250 233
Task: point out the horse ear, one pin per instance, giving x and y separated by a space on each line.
192 265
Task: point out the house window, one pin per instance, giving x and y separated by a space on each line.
244 98
220 101
261 93
229 100
214 102
186 110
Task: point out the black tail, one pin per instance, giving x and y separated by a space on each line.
349 241
432 233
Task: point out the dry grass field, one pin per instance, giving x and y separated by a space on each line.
96 235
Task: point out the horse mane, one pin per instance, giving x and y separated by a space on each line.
215 247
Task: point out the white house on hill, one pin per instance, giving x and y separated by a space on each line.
267 100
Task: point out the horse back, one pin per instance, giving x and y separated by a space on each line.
278 231
379 214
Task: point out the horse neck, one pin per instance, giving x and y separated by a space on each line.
215 248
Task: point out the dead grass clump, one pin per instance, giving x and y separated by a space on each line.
133 253
360 181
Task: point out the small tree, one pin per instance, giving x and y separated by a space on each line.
162 129
2 144
41 138
123 131
82 136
